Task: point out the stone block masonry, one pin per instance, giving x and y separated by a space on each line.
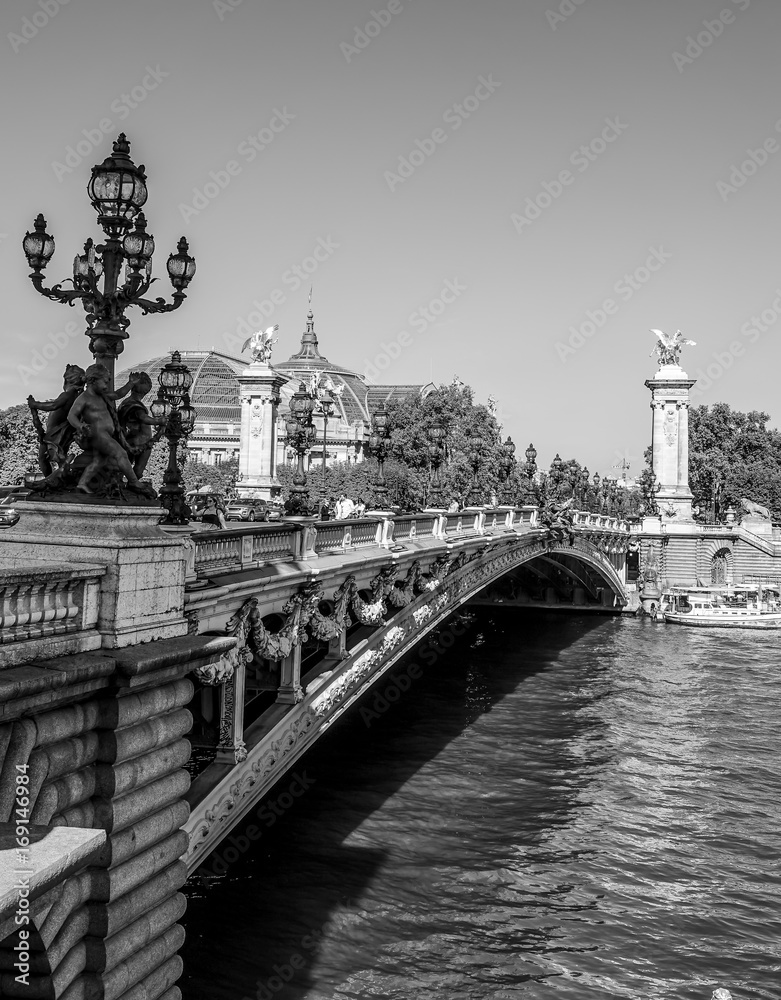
101 738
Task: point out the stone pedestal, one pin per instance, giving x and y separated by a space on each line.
259 386
670 404
142 592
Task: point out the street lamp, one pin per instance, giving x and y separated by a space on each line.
379 447
555 475
301 432
507 462
172 409
531 471
117 190
476 445
583 485
436 452
327 407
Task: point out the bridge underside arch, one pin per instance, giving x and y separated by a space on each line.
561 576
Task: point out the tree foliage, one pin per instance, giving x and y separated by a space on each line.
733 455
18 445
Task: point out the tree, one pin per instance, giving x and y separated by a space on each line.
733 455
18 445
411 420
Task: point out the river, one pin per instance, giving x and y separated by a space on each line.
560 807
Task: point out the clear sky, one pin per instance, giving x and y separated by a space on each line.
552 148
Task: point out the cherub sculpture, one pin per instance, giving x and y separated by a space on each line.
56 438
94 417
669 348
260 344
136 424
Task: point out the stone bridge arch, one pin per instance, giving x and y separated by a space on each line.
439 583
579 574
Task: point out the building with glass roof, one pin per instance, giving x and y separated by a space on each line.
215 397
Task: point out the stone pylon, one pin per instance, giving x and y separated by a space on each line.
670 405
259 386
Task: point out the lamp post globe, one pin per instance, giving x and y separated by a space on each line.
118 191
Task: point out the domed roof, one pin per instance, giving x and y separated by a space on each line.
216 397
215 390
301 366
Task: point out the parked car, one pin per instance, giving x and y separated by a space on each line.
9 515
275 510
247 510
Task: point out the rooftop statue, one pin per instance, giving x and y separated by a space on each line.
260 344
320 385
669 348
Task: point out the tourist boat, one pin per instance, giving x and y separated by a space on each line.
723 607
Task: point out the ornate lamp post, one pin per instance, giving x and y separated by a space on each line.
172 409
436 454
531 471
556 475
301 432
327 406
508 461
583 485
117 190
596 480
379 446
476 445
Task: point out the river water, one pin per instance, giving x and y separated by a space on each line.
560 807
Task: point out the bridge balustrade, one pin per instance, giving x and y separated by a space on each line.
44 602
413 526
334 535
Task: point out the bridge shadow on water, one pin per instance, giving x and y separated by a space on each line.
258 907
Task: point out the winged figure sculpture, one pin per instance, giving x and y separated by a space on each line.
260 344
322 386
669 348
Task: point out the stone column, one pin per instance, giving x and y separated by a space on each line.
670 405
231 748
259 386
290 690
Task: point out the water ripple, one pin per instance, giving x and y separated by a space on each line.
561 808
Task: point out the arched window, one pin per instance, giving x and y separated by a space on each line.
721 566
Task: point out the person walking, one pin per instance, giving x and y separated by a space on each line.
211 514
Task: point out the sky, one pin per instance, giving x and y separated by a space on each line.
513 193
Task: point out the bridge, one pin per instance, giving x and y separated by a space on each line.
122 646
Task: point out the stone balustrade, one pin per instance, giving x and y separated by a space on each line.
48 609
251 547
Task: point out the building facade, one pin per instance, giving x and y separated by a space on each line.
216 398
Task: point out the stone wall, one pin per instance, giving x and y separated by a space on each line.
103 737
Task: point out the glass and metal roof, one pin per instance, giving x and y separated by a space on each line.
215 391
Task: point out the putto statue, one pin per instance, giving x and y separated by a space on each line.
260 344
85 414
56 438
136 424
669 348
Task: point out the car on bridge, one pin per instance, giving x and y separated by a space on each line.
248 510
9 515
